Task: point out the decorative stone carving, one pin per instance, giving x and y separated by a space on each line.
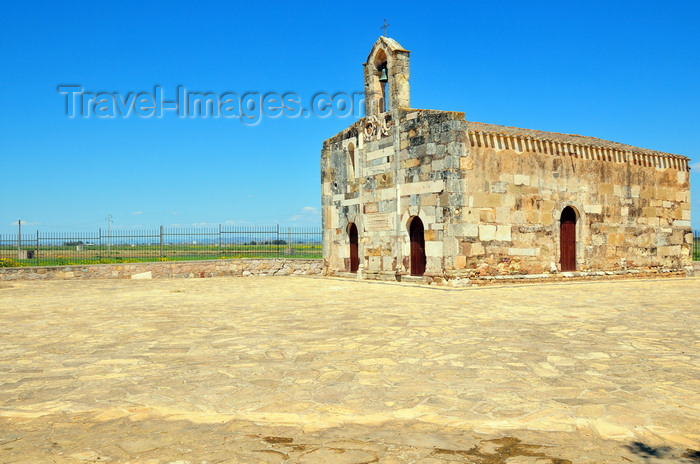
378 127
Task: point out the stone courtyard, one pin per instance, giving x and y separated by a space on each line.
315 369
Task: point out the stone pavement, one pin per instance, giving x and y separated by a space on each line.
312 369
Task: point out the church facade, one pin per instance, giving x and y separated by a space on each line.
425 194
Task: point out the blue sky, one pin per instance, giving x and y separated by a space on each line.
622 71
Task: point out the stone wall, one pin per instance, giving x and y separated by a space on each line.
632 205
176 269
397 171
491 199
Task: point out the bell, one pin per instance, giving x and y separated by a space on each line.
383 77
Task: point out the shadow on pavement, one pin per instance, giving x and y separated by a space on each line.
651 453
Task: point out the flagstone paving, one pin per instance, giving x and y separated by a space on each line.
312 369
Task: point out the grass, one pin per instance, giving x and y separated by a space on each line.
64 256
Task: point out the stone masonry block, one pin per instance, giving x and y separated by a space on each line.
463 230
487 215
519 179
522 251
605 189
478 200
494 200
487 232
433 249
503 233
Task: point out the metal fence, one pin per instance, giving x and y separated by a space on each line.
162 244
696 245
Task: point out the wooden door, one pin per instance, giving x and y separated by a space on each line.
417 247
567 239
354 241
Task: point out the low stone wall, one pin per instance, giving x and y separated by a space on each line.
574 276
283 267
176 269
465 280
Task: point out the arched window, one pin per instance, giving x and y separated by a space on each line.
351 160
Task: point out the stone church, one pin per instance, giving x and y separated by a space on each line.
426 195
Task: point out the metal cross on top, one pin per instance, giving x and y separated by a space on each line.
385 26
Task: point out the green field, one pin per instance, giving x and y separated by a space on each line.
93 254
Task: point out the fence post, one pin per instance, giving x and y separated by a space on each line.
161 241
36 253
19 239
278 240
220 249
99 241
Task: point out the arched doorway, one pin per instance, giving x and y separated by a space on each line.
567 239
416 232
354 241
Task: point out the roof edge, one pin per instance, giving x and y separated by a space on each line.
389 43
558 137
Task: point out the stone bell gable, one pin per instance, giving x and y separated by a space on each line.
425 194
387 72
